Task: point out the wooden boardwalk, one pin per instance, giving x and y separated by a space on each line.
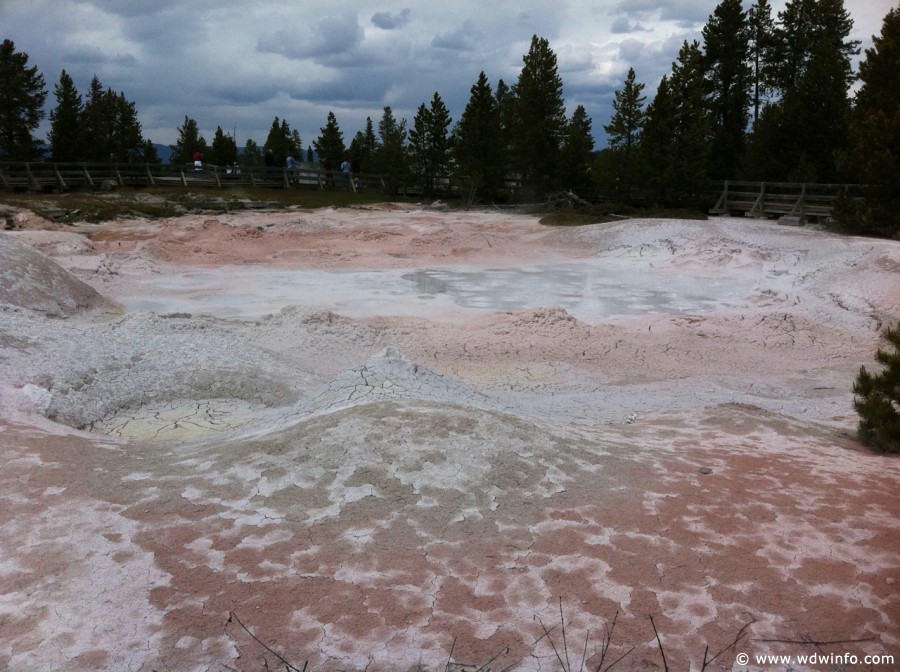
792 201
45 176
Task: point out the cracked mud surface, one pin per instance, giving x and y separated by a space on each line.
348 430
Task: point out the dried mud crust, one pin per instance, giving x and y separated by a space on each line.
372 493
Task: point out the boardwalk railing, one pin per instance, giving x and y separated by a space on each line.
43 176
803 201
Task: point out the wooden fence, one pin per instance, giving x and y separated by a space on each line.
800 201
41 176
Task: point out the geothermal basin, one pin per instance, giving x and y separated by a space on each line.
395 438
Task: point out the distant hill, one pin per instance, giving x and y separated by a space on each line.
164 152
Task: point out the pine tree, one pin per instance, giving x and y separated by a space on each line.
429 143
877 398
189 141
22 96
252 155
110 128
223 151
127 138
149 154
873 155
656 141
362 149
281 142
577 156
538 121
806 28
761 28
726 48
478 148
765 158
816 118
624 133
675 146
330 143
691 146
804 127
92 123
390 154
505 99
65 122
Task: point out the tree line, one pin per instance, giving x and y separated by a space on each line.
759 97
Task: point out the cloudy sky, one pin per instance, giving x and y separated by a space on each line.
239 63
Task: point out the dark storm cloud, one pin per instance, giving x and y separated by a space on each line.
95 56
226 62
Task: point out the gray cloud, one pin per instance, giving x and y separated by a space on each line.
389 21
328 36
241 63
92 55
463 38
623 25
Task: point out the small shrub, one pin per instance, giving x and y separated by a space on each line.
877 399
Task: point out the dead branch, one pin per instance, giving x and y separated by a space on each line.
607 640
738 637
291 668
659 642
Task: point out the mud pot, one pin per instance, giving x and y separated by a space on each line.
391 438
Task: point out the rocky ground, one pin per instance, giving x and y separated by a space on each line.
388 437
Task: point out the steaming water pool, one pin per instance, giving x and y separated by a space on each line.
590 292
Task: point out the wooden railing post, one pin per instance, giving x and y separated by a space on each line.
87 174
31 178
759 206
798 208
59 177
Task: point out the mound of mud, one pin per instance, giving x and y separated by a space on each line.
16 219
32 280
54 243
389 376
151 372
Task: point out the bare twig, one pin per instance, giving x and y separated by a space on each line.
584 653
501 652
562 620
290 668
607 641
738 637
450 657
550 639
617 660
546 631
659 641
